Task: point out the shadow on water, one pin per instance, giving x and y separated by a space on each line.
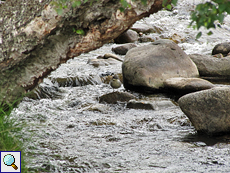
201 139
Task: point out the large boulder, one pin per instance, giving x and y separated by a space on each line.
211 66
208 110
147 67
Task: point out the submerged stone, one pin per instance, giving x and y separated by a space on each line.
134 104
115 97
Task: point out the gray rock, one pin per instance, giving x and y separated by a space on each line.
212 66
208 110
187 85
144 28
107 59
145 39
107 79
134 104
123 49
115 97
223 48
129 36
97 62
77 80
110 55
149 66
98 107
164 104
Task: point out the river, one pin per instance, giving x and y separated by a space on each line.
67 130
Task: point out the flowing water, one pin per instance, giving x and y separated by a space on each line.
67 130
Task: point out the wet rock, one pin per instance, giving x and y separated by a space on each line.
115 97
102 122
208 110
223 48
212 66
144 28
129 36
77 80
154 127
177 38
74 103
100 61
145 39
47 89
107 79
123 49
147 67
70 126
99 108
97 62
111 138
134 104
164 104
187 85
110 55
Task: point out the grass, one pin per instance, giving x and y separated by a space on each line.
8 139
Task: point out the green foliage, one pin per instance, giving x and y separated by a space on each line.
8 128
79 31
167 5
198 35
62 4
206 14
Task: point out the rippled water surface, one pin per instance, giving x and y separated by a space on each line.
70 131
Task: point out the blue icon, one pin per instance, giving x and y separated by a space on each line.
9 160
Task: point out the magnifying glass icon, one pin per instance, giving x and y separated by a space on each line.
9 160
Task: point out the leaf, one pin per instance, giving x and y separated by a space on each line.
210 33
121 9
174 2
222 7
221 18
169 7
198 35
80 32
124 3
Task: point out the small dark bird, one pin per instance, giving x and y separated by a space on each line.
115 82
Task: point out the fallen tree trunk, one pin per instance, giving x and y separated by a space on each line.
35 40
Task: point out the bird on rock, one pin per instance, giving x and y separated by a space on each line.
115 83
